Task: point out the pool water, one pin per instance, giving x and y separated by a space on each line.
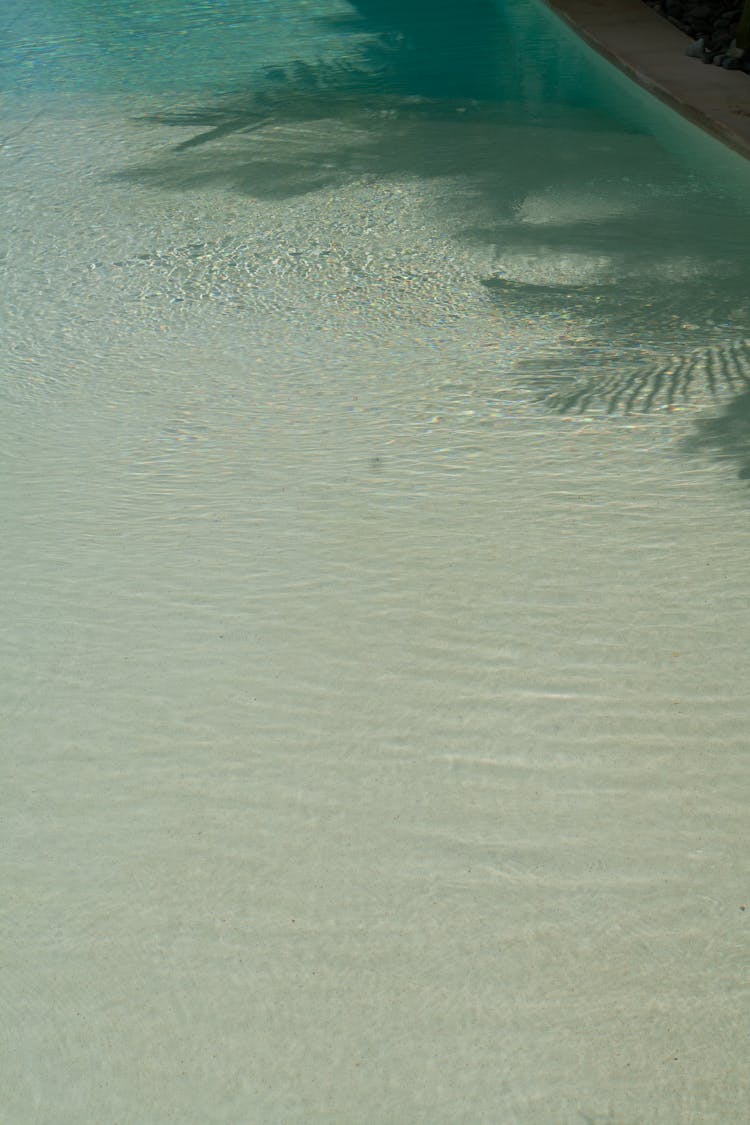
375 549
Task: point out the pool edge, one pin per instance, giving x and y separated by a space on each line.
651 52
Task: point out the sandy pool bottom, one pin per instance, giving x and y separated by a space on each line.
375 739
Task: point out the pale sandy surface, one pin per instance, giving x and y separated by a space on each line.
374 731
652 52
375 738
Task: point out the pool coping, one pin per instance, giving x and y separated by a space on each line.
651 51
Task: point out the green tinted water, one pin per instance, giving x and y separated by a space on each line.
375 549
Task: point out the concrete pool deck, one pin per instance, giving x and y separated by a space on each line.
652 52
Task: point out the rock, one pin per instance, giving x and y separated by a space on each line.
712 24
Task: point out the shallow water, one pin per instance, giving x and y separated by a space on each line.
375 554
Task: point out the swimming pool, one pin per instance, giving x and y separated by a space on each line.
375 542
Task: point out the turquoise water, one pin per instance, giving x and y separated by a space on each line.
102 48
434 49
373 665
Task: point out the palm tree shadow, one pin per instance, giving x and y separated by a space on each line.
622 381
404 69
636 378
418 97
726 435
627 374
300 142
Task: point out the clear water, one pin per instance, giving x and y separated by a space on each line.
375 540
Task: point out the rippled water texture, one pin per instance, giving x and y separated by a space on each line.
376 443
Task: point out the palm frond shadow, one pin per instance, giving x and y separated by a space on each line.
620 385
402 50
389 110
295 94
295 143
399 67
626 355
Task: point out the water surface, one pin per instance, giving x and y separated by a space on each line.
376 436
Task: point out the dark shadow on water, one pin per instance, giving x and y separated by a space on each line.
726 435
445 98
627 373
403 69
629 377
